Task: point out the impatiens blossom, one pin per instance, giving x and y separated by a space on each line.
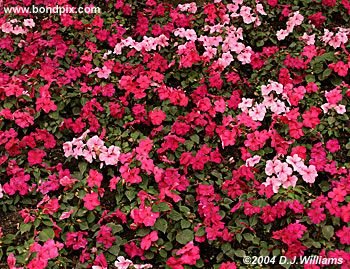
147 241
36 156
122 263
151 134
157 116
1 192
104 72
309 174
145 216
29 23
91 201
94 147
344 235
110 156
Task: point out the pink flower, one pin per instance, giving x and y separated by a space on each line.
88 155
68 149
110 156
283 168
94 179
340 109
122 263
144 215
282 34
244 57
334 96
95 143
78 148
274 182
290 182
7 27
309 174
29 23
295 161
104 72
297 18
251 162
257 113
66 215
271 167
147 241
1 195
18 30
91 201
245 104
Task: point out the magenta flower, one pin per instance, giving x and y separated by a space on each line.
91 201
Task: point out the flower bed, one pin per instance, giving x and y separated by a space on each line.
192 136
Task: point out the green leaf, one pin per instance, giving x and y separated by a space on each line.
216 174
195 138
200 231
239 253
90 217
25 227
161 225
248 237
130 194
189 144
185 236
326 73
184 209
114 250
46 234
82 167
83 226
174 215
161 207
185 224
239 237
310 78
116 228
328 231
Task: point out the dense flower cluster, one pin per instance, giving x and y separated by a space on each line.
154 135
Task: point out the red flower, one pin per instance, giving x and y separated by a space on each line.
333 145
105 236
35 156
329 3
340 67
317 19
157 116
189 254
310 117
76 240
344 235
272 3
